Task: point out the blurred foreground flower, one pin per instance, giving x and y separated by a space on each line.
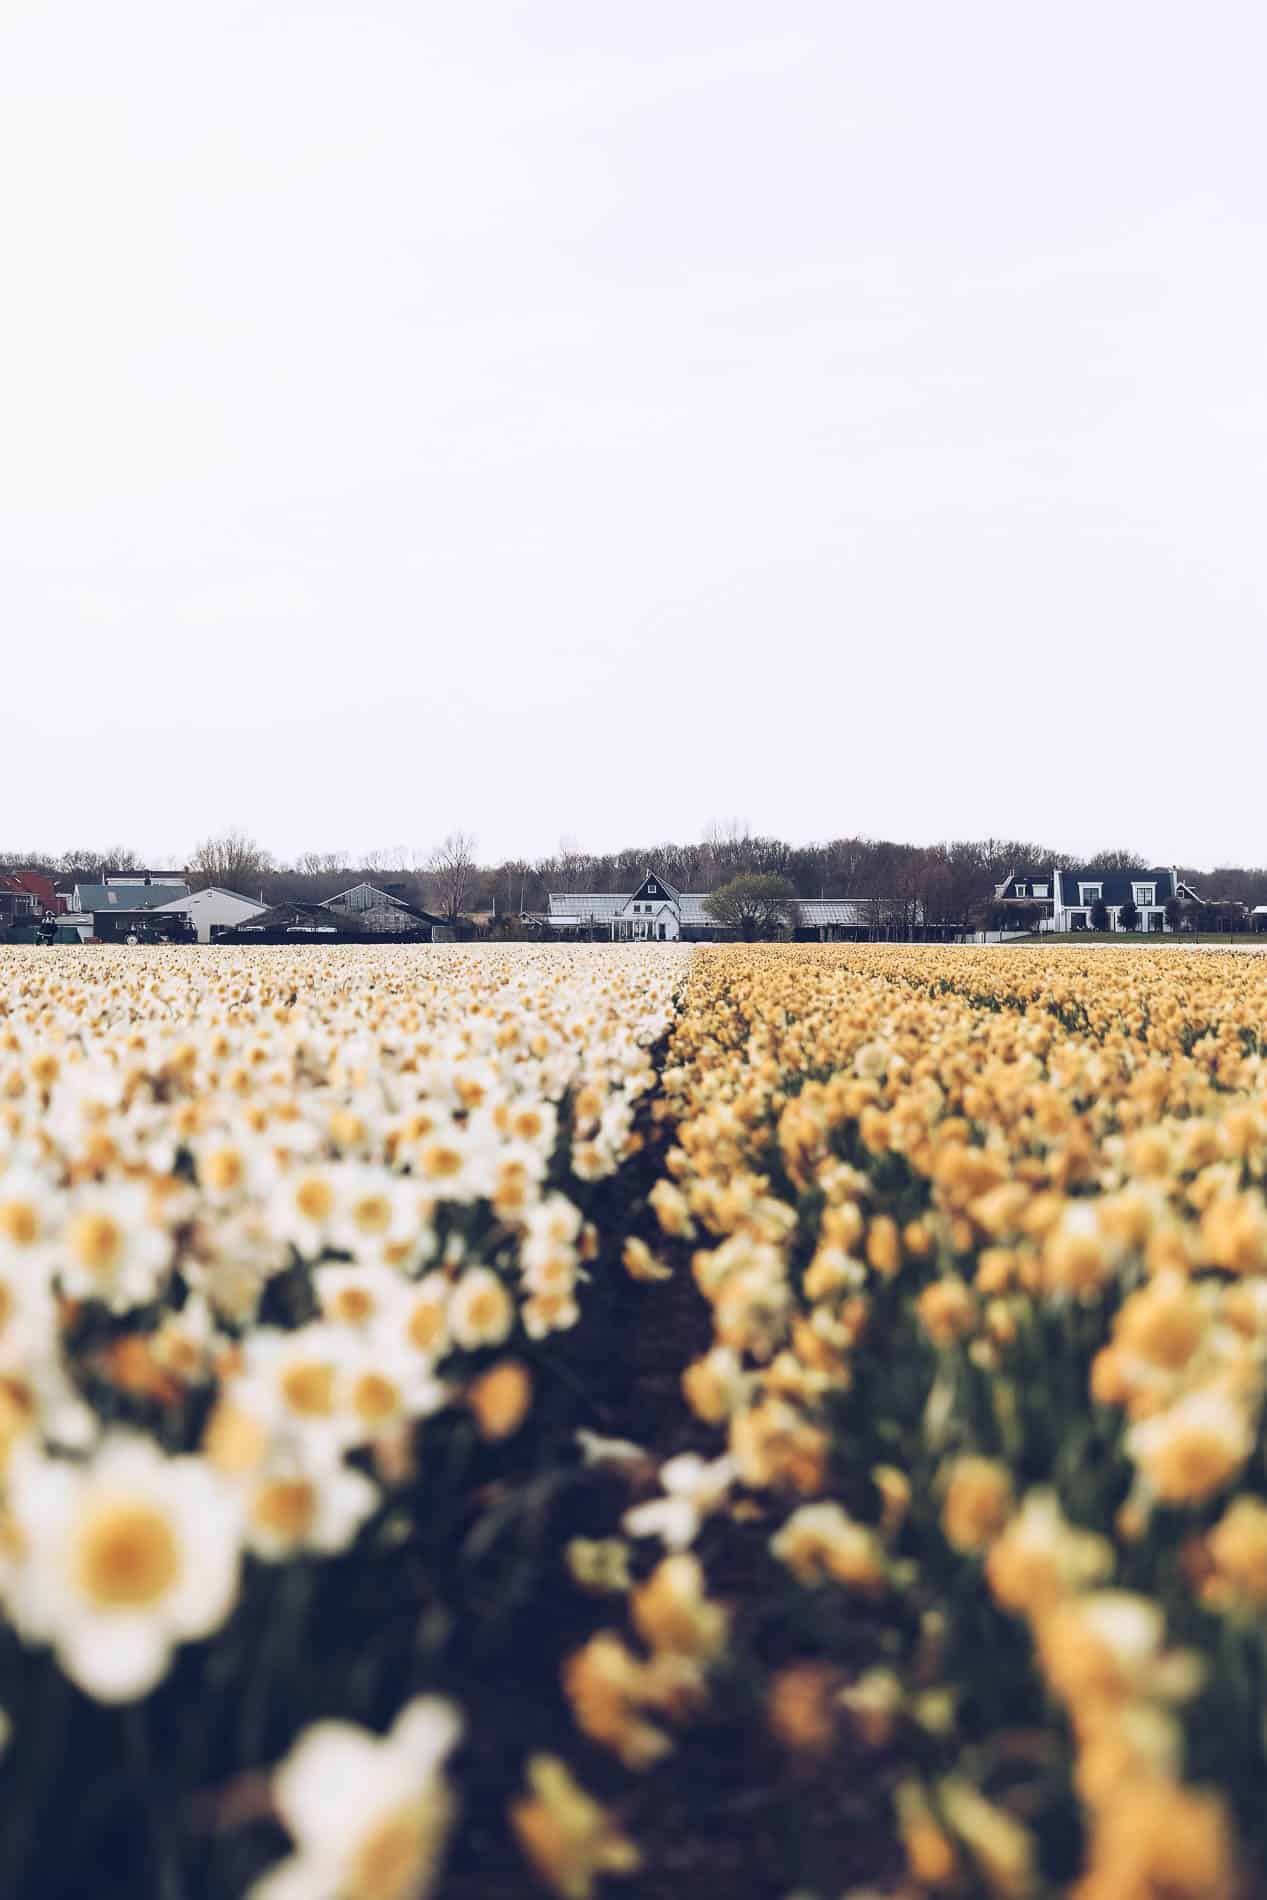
369 1814
567 1836
120 1559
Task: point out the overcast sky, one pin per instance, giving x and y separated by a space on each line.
594 418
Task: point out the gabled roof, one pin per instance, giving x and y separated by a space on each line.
128 896
365 896
314 918
1023 874
379 905
662 887
1116 887
209 890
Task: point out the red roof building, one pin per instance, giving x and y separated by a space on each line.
39 887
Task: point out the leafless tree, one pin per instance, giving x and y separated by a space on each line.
118 857
394 858
230 861
1116 861
515 873
452 865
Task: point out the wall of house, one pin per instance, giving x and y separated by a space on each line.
215 909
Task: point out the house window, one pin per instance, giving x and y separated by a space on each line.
1040 890
1077 920
1145 893
1090 893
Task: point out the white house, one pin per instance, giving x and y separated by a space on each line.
656 912
214 908
1059 899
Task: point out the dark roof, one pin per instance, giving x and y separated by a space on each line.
317 920
290 916
1116 887
128 896
1024 876
372 899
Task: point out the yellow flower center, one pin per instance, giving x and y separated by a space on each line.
308 1388
127 1556
314 1198
372 1214
375 1398
442 1162
426 1324
346 1129
223 1169
19 1223
285 1507
352 1304
96 1240
487 1307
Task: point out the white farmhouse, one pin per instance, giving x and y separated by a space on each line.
213 909
658 913
1058 899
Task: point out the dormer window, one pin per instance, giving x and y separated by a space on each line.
1145 893
1040 890
1022 890
1090 893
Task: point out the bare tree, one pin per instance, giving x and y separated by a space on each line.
118 857
1116 861
515 873
229 861
452 865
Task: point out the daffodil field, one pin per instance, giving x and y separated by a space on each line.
773 1421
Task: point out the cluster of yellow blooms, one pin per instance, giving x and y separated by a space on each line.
984 1239
310 1200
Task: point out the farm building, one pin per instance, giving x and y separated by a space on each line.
18 905
290 923
214 909
656 912
129 890
381 913
39 887
326 923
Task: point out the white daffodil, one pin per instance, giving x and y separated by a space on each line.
112 1248
122 1558
31 1213
369 1815
693 1488
320 1508
481 1311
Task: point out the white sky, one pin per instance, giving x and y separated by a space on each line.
597 417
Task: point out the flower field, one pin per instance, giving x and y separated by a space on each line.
772 1421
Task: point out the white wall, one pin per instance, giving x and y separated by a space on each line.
215 907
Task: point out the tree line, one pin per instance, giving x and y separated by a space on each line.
948 884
